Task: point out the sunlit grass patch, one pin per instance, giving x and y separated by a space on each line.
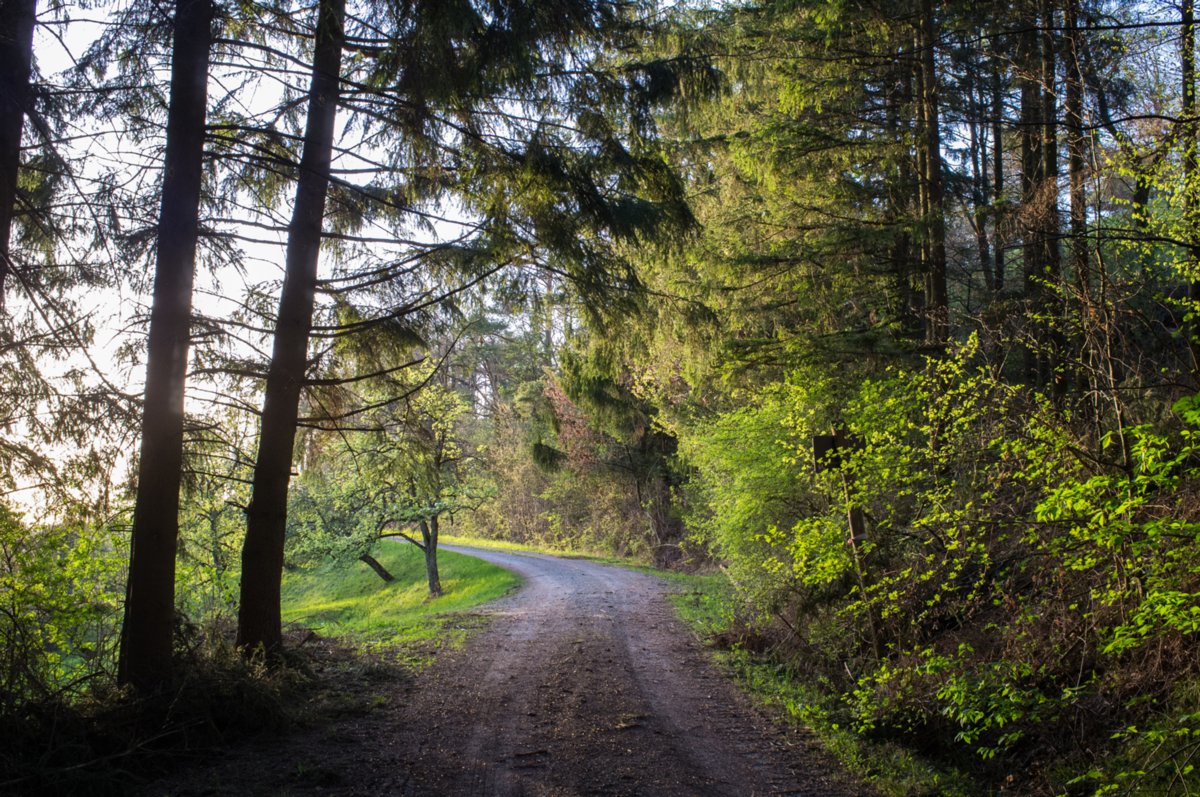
353 603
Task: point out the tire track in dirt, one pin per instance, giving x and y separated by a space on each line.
583 683
588 684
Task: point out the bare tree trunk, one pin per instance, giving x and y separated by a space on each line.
936 298
979 178
378 567
1076 159
920 152
259 623
146 635
1191 203
902 127
997 174
1032 176
429 534
17 19
1049 190
1051 365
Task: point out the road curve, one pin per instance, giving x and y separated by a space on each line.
587 684
582 683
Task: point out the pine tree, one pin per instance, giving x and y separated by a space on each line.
147 633
266 518
511 113
17 19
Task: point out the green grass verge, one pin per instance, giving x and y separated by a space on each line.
350 602
706 604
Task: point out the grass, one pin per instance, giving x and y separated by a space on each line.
706 604
354 604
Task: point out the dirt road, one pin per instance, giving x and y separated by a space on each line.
585 683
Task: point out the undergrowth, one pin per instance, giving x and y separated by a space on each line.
708 604
351 638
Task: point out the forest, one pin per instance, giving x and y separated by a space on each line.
886 312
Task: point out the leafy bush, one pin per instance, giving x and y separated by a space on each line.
59 604
1028 587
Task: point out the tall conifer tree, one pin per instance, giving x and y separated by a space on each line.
17 18
146 637
266 517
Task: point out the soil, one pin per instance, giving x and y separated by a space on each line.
583 683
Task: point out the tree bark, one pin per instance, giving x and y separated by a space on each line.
17 19
1049 193
259 623
997 174
1032 178
429 531
146 634
1191 202
375 565
936 298
1076 158
979 177
1052 367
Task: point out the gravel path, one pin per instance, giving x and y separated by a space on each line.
584 683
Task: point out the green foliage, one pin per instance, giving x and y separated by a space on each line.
573 480
752 497
59 604
363 485
1008 575
207 568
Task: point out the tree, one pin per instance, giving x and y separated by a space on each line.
427 475
259 624
548 180
933 201
398 477
17 19
147 633
1191 142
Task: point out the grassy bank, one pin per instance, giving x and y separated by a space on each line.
706 604
353 603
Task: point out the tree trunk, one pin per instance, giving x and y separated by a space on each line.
1032 175
17 18
1076 159
922 187
979 178
375 565
146 635
1049 189
997 174
259 623
429 533
1051 260
936 299
1191 203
